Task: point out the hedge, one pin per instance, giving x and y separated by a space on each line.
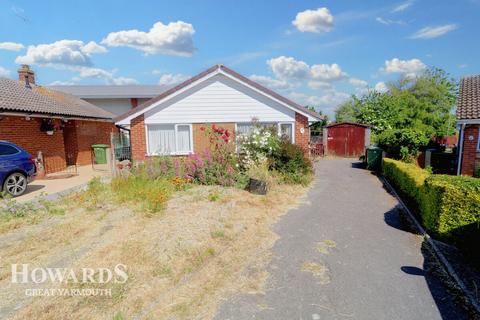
407 177
448 205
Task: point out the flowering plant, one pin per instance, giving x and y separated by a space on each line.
257 146
216 165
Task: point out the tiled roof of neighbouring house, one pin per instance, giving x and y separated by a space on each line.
112 91
468 105
15 97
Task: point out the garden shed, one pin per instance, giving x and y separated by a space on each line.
346 139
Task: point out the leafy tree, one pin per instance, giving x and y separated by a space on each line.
346 112
405 118
316 127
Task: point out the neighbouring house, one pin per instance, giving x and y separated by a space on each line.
116 99
346 139
468 120
170 124
53 126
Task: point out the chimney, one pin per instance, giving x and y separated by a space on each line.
25 74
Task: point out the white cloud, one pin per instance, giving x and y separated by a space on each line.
403 6
327 72
92 47
287 67
388 22
409 68
61 54
73 55
11 46
358 83
315 84
319 20
176 38
107 76
4 72
170 78
271 82
61 83
381 87
434 32
327 102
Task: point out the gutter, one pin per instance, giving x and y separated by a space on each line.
460 149
53 116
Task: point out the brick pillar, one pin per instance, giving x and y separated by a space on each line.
137 139
469 149
302 139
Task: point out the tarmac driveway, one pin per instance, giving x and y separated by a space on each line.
346 254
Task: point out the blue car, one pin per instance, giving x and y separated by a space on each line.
17 169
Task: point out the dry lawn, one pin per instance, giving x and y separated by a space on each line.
208 243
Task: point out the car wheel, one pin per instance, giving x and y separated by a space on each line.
15 184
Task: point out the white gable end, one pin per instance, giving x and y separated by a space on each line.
219 99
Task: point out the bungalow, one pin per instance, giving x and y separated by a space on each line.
468 120
171 122
53 126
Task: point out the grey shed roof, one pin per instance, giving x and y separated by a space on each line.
112 91
15 97
468 105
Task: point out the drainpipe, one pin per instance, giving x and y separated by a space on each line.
460 149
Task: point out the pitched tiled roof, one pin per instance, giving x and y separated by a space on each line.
207 72
15 97
112 91
468 105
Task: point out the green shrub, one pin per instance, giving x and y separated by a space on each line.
292 163
402 143
408 178
449 203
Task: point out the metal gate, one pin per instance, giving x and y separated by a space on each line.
55 165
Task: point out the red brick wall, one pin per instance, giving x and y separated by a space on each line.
302 139
81 134
470 149
138 139
27 135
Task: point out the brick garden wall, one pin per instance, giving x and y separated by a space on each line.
27 135
470 157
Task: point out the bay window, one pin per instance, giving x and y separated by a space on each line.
169 139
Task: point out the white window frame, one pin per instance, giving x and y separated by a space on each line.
478 139
176 153
279 130
272 122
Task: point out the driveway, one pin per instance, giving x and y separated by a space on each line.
346 254
58 184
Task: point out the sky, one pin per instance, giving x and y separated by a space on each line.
315 52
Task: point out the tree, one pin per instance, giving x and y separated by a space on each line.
316 127
346 112
409 114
